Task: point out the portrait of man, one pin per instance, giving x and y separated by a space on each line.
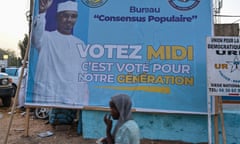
59 63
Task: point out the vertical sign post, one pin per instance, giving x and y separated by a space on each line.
223 66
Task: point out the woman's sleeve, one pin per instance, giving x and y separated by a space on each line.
123 136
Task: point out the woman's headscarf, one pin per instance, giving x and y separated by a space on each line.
123 104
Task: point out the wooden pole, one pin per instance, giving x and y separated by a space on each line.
18 88
27 122
216 135
12 110
30 29
222 120
16 95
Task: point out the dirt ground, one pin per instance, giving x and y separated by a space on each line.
62 134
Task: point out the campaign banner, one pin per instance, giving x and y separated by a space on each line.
223 66
154 51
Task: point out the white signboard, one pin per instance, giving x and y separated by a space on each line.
223 66
3 64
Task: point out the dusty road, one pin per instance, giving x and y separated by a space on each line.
61 134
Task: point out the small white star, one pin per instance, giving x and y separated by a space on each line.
235 64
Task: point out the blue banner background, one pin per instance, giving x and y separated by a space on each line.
93 30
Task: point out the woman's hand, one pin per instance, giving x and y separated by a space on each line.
104 141
108 122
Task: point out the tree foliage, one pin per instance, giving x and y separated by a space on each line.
23 46
13 60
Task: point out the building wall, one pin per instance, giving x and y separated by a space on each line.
226 29
176 127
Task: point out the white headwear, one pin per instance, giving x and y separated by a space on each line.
67 6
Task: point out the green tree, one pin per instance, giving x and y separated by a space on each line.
12 58
23 46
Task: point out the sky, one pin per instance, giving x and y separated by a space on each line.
14 23
230 7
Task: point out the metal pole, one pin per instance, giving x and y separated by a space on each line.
209 120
